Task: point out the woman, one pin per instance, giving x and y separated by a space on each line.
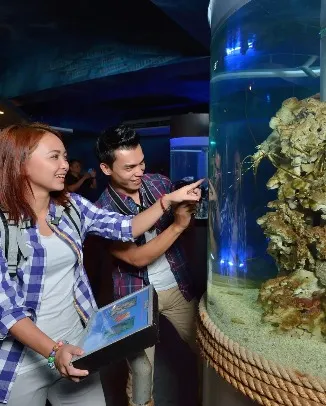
49 298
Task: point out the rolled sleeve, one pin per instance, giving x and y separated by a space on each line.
107 224
122 229
12 307
9 319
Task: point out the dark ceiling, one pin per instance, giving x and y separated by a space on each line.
87 64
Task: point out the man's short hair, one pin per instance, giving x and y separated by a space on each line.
120 137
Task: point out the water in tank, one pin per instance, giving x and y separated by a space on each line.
267 179
188 163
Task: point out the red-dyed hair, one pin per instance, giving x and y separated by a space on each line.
17 142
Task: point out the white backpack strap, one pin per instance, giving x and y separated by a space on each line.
13 242
9 242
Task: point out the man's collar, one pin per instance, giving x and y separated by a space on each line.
121 199
118 192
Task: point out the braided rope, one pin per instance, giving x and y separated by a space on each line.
263 381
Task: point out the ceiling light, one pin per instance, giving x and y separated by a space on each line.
2 112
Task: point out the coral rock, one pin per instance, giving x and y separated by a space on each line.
296 226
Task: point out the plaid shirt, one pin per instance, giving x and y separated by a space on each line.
20 296
128 279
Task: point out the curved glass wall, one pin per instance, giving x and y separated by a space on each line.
188 162
188 158
267 162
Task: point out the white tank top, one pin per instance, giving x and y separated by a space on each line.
57 316
159 271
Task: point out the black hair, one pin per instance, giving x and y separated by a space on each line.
120 137
72 161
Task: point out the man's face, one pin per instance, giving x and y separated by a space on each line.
127 169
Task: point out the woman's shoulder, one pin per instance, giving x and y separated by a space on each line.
83 205
77 200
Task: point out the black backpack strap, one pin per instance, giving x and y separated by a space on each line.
74 216
120 204
4 232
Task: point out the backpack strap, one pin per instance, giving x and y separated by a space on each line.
4 232
74 216
122 207
12 241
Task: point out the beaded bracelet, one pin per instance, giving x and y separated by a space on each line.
53 352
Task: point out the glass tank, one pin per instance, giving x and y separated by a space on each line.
188 163
267 180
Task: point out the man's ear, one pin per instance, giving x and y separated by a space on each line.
106 169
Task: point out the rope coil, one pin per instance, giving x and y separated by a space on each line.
263 381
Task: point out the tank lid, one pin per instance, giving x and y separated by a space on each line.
220 11
189 142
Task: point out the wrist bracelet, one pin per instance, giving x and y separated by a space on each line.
53 352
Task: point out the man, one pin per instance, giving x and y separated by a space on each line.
130 191
83 184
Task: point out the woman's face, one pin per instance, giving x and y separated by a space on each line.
47 165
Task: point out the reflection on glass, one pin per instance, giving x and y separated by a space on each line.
189 162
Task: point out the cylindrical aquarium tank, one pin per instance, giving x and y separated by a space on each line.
188 163
267 177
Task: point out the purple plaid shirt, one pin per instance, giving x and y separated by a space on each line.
128 279
20 296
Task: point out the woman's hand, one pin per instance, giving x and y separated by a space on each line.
63 359
189 193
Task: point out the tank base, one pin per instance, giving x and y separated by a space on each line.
258 378
218 392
